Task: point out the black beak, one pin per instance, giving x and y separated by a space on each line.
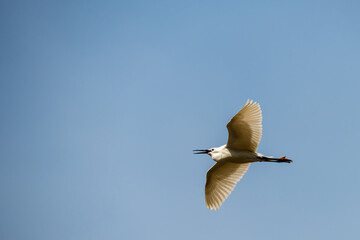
201 151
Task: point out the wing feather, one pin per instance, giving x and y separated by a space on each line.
245 128
221 180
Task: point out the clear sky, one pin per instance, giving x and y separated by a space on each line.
102 103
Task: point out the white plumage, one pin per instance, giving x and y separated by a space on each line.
234 158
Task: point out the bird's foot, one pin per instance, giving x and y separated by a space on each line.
284 159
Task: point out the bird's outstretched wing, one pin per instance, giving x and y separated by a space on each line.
221 180
245 128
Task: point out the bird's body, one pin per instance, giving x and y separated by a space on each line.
224 153
234 158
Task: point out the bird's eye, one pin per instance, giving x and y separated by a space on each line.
212 149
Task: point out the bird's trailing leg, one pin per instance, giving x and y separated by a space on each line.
270 159
284 159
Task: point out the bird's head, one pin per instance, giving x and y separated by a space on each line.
213 152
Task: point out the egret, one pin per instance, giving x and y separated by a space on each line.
234 158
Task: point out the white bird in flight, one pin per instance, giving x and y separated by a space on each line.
234 158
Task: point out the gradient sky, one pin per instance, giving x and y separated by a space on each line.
102 103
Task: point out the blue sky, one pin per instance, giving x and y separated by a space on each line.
102 103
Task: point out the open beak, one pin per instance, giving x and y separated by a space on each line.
201 151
